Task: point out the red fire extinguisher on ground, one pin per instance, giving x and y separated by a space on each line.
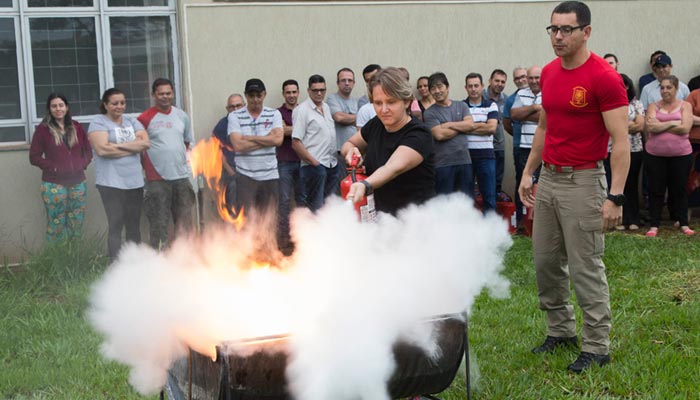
366 211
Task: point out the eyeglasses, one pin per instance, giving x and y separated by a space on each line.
234 106
318 91
565 30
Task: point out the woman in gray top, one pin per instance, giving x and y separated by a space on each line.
117 141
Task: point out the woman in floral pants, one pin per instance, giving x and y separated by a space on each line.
61 149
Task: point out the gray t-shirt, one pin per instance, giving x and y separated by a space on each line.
453 151
338 103
168 134
122 172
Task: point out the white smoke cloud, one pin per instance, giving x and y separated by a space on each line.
348 294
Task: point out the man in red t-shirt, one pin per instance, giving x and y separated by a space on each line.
583 104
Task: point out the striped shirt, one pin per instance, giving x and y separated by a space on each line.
482 112
526 98
260 164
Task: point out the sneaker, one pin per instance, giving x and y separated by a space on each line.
551 343
619 227
585 360
634 227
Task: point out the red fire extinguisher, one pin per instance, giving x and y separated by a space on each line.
366 211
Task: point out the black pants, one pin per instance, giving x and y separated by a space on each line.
630 211
123 210
667 173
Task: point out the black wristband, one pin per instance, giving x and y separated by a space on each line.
368 188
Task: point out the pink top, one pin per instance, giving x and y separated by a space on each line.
668 144
414 106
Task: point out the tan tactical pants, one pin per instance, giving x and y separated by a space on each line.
568 244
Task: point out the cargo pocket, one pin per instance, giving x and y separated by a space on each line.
592 240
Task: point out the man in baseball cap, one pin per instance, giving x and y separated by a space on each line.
255 131
254 85
662 68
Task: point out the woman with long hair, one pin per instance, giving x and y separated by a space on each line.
117 141
426 99
61 150
635 126
398 150
668 154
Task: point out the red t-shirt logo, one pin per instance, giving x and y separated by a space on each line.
578 98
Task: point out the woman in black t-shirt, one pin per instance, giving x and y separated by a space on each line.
398 150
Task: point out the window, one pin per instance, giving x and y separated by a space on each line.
60 3
137 3
11 128
64 56
9 73
141 52
80 48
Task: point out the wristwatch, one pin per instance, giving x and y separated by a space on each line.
368 187
617 199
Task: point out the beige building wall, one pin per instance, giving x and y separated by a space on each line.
275 42
225 43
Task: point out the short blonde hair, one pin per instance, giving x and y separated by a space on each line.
393 82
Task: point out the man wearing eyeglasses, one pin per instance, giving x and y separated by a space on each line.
255 131
583 104
513 128
344 109
220 131
314 140
526 110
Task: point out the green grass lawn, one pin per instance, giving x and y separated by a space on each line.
48 350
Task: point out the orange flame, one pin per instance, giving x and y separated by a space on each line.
207 160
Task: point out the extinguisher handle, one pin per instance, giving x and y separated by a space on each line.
355 160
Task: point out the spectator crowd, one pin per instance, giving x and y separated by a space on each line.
275 159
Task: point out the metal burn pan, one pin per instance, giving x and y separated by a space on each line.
258 372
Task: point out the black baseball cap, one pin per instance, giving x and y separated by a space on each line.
254 85
663 60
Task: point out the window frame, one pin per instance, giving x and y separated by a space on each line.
33 119
107 46
101 12
21 84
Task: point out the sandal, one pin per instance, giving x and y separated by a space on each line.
652 232
620 228
687 231
634 227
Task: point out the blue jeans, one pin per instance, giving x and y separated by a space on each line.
485 173
500 168
455 178
319 182
289 184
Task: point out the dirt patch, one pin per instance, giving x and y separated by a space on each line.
684 286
